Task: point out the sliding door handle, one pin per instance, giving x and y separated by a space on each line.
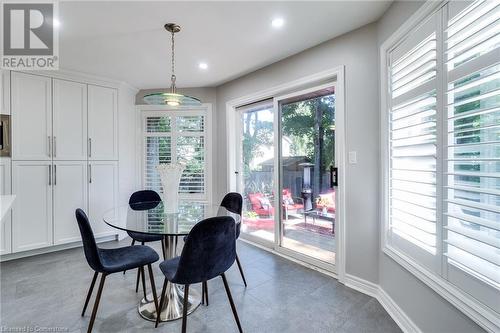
334 177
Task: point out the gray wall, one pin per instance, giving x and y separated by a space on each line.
429 311
357 51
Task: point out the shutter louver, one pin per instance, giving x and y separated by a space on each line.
412 141
191 150
472 184
176 138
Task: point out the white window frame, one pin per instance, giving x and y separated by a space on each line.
477 311
205 109
335 76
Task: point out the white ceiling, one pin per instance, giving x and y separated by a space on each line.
126 41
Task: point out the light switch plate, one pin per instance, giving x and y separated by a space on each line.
353 159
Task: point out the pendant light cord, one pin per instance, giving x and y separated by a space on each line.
172 88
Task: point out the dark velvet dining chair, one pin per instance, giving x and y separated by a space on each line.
143 200
109 261
209 251
233 202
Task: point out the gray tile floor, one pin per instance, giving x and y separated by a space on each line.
49 290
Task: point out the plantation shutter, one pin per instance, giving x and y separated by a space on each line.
191 151
412 209
472 183
176 137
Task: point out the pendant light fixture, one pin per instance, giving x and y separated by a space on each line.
171 98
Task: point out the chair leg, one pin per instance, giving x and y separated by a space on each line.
133 242
185 308
228 292
89 293
205 289
138 278
162 299
241 270
153 287
143 279
203 293
96 303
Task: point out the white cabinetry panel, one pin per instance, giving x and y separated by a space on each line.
31 117
32 210
69 193
5 92
6 222
69 120
102 123
103 194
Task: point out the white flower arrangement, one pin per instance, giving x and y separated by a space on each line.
170 176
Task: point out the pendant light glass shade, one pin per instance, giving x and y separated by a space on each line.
171 98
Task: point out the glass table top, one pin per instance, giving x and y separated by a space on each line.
151 218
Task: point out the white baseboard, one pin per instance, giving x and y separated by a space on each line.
374 290
54 248
364 286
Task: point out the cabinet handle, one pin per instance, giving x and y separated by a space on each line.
49 146
90 174
90 147
50 175
55 146
55 174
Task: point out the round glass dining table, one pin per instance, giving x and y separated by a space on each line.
152 218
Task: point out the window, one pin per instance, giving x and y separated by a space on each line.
442 153
177 136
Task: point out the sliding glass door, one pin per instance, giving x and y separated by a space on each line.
307 159
286 173
255 125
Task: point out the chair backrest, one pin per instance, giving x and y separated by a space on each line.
89 245
209 251
233 202
144 200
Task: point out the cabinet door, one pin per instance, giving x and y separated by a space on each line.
103 194
69 193
31 117
69 127
6 222
32 212
5 92
102 123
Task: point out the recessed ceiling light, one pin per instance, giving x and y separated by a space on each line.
57 23
277 22
203 65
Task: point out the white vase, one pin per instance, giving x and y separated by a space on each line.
170 176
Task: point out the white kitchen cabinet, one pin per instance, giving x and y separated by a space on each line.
69 126
4 92
102 123
69 193
32 209
103 194
6 222
31 117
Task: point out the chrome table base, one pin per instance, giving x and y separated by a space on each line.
174 294
172 308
